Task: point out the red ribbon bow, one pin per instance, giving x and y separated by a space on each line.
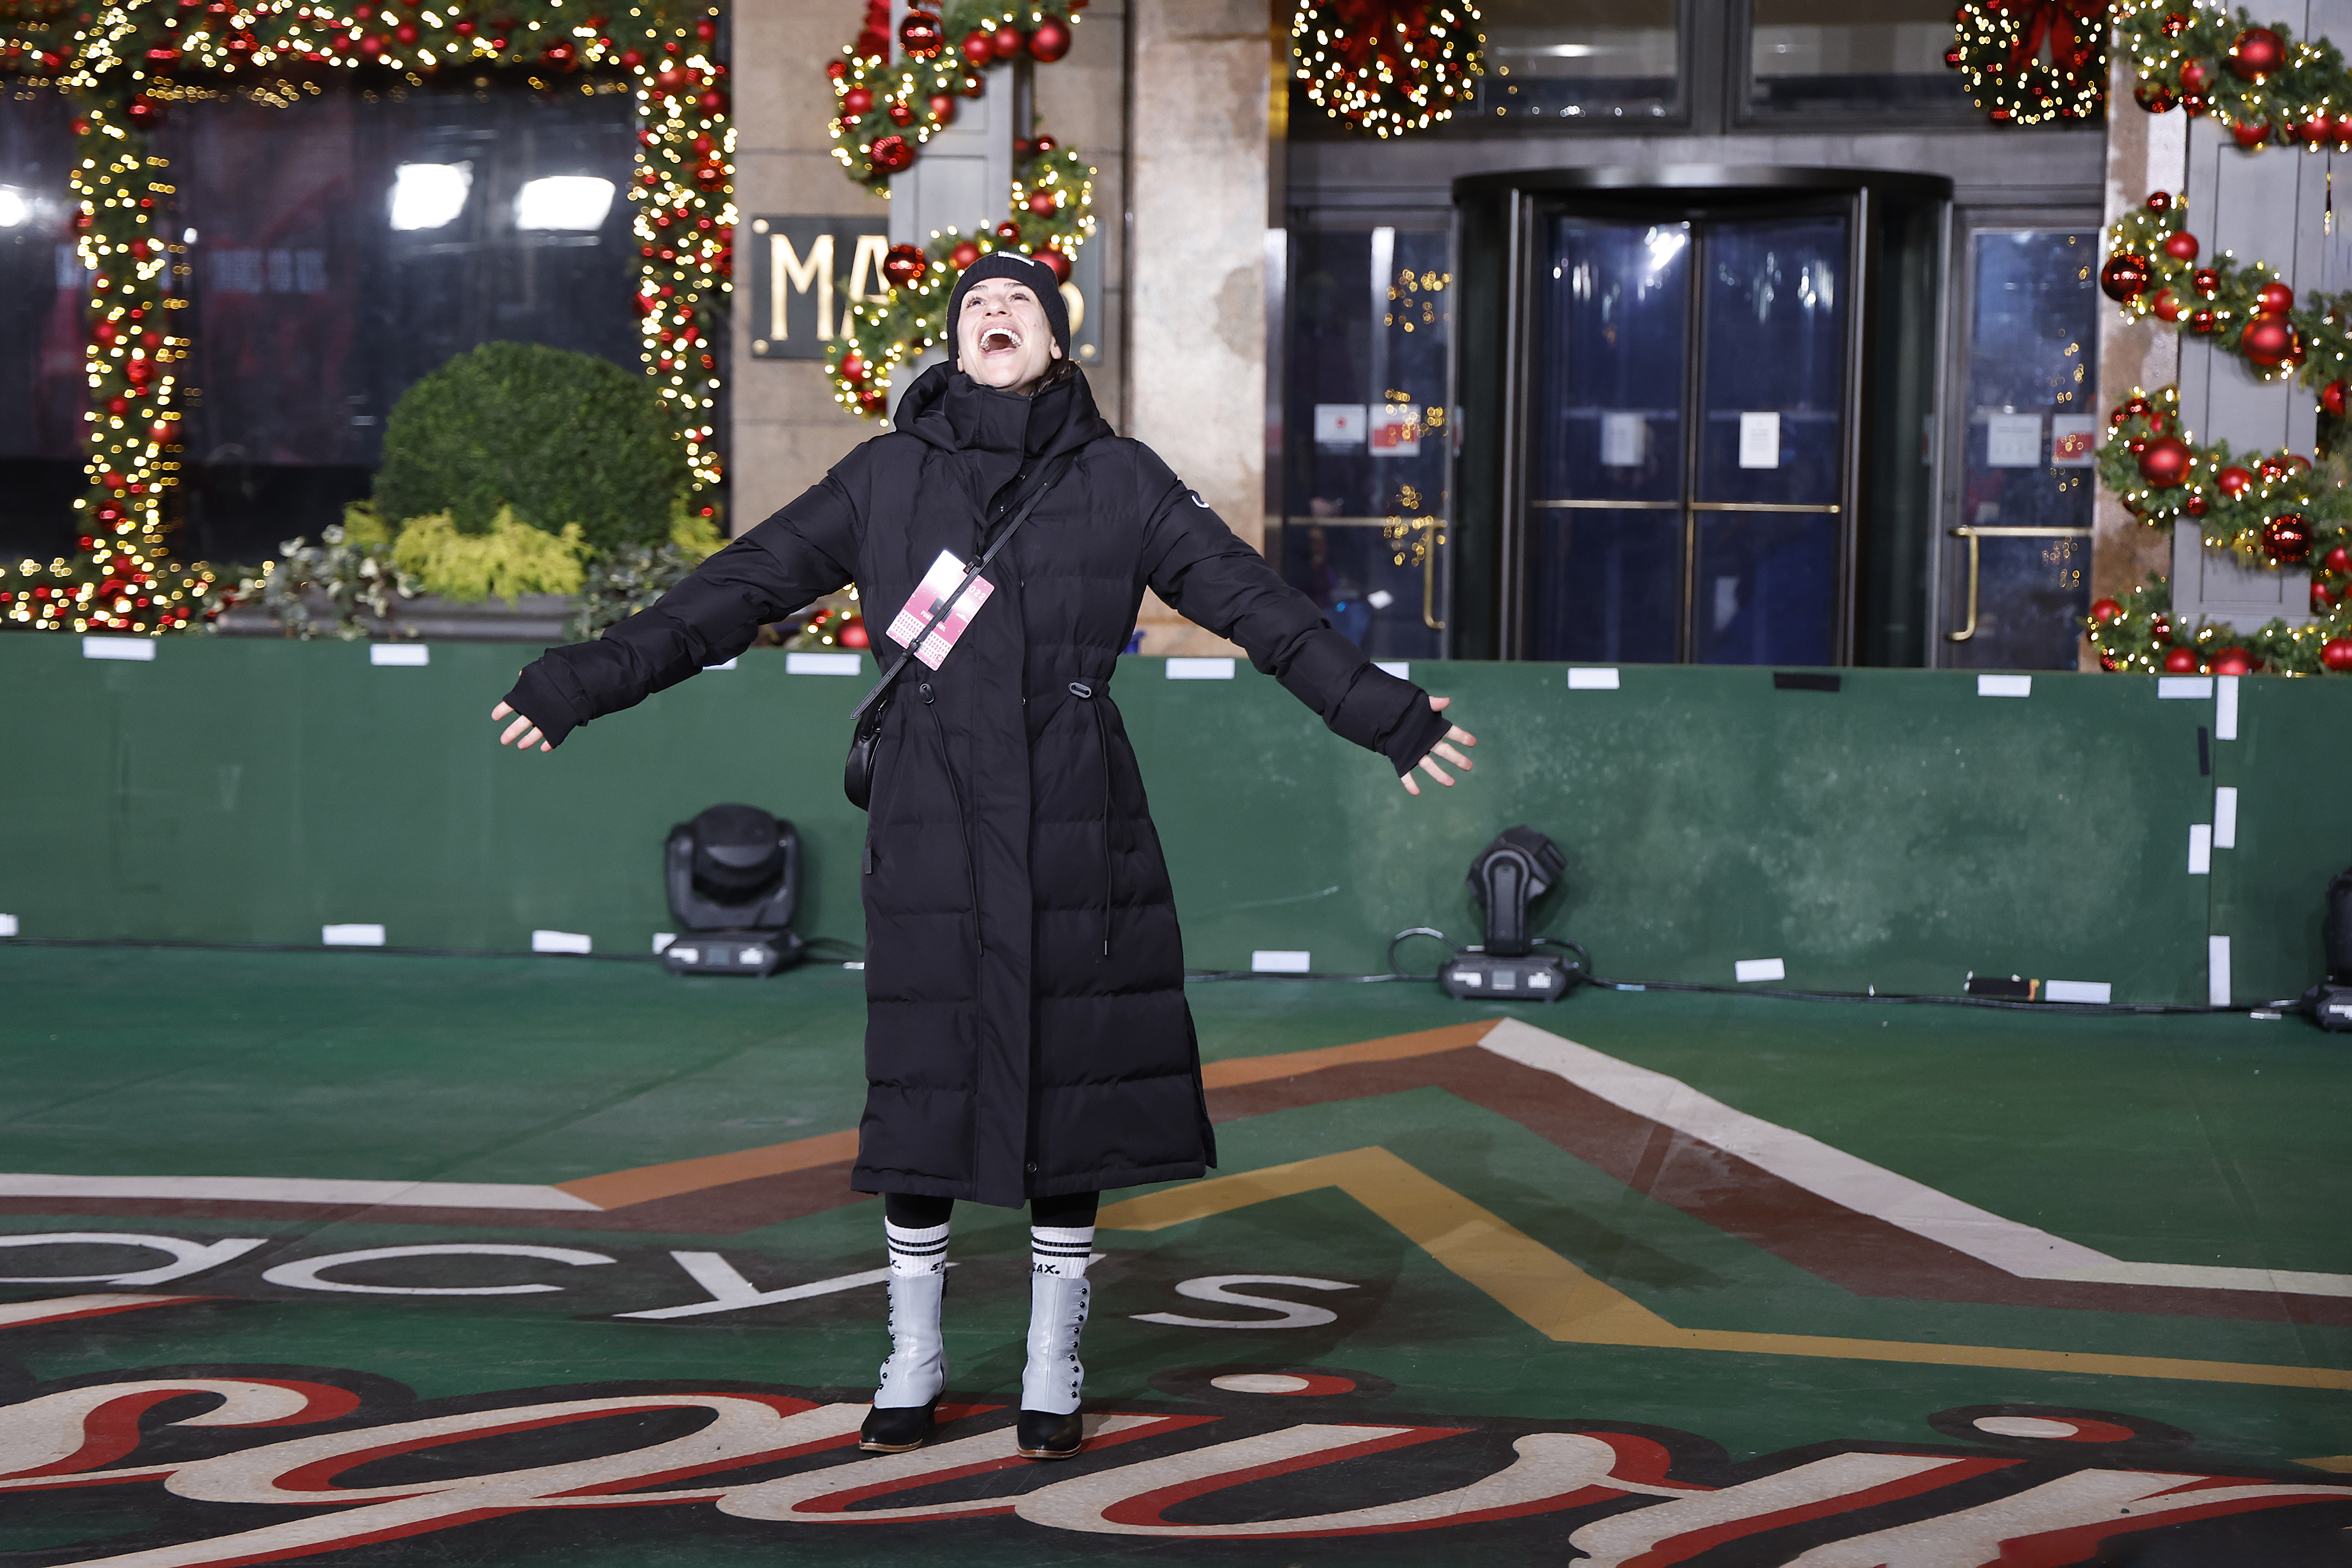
1370 31
2071 28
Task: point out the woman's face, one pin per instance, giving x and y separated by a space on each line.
1002 338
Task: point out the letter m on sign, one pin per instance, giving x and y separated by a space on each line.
805 274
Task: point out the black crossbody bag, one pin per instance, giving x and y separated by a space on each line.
866 724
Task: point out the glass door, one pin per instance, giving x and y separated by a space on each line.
1688 461
2017 549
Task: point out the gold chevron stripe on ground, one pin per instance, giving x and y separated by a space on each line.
1564 1303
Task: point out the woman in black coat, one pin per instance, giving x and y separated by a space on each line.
1027 1037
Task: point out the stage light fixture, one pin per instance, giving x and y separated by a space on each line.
2330 1001
734 876
1508 877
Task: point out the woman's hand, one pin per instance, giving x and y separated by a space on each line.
522 733
1443 749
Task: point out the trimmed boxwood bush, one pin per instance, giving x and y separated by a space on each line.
560 437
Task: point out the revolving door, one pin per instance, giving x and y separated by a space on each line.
1696 414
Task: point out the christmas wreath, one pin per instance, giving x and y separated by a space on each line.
885 112
123 64
2027 62
1387 66
2135 635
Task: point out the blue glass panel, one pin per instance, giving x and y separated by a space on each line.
1365 427
1608 361
1607 586
1765 590
2031 428
1775 363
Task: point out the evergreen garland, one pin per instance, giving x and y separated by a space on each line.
2257 79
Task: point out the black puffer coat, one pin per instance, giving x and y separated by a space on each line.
1044 1048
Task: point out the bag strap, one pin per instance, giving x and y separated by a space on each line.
949 603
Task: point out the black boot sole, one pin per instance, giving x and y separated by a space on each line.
897 1430
1043 1436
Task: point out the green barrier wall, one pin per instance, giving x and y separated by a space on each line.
1897 834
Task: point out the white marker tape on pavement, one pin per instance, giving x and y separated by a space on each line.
1200 670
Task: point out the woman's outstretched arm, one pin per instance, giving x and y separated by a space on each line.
806 551
1213 579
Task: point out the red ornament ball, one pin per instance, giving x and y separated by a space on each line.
2166 306
2233 662
2317 131
1051 41
2322 601
2335 653
2180 661
146 113
2331 398
2159 201
1057 263
2267 340
902 112
2206 281
118 407
837 69
2153 96
2275 298
978 47
2166 462
2124 277
2250 137
891 155
920 35
852 633
2234 481
1041 202
2180 247
1008 230
2106 610
2196 505
2337 559
904 264
1007 42
943 106
2204 321
857 101
852 368
872 401
964 256
2257 53
2286 539
2196 76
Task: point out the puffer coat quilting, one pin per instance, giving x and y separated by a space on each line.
1026 1030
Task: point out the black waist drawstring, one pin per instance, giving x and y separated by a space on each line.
964 818
1079 689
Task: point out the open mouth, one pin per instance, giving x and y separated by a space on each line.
999 339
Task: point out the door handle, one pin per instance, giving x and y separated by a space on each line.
1430 541
1972 534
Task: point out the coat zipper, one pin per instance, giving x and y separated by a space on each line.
1079 689
964 818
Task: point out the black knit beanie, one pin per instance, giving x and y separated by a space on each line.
1022 269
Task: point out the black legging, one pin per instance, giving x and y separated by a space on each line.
916 1211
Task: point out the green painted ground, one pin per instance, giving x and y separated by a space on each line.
2214 1140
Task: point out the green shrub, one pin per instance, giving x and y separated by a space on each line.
560 438
506 562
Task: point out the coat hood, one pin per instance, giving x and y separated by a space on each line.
956 414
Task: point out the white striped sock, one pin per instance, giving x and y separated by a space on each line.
1061 1251
916 1253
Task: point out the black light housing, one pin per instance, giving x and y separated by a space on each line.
2330 1001
1509 876
734 877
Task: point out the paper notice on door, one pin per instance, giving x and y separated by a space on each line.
1396 430
2073 440
2012 440
1338 424
1622 436
1759 440
924 601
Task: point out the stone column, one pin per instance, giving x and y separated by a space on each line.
1201 81
787 429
